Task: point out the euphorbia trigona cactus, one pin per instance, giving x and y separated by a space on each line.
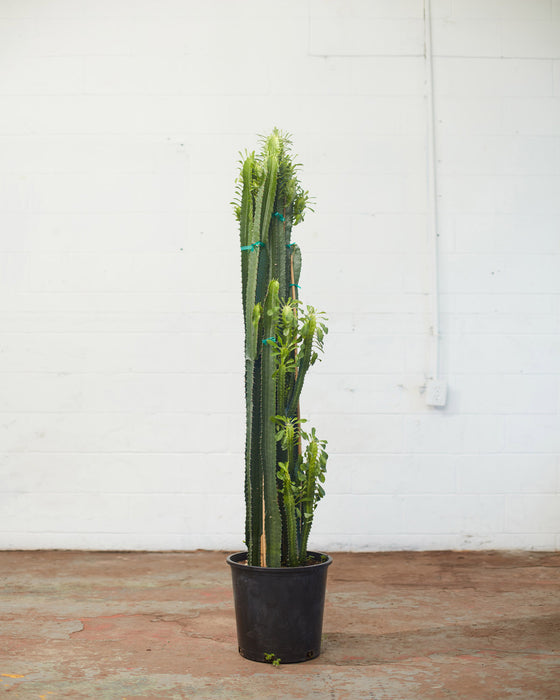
282 340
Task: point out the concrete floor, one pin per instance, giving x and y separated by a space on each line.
397 625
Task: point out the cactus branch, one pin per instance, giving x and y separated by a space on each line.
272 523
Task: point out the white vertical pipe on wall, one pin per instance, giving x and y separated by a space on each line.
435 388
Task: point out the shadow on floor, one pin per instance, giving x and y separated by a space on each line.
535 637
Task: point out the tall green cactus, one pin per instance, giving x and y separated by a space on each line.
282 340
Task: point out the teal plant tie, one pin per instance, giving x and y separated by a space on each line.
295 285
289 245
279 215
265 340
252 246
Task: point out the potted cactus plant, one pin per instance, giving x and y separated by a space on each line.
279 586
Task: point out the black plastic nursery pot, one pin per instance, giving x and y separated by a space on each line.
279 611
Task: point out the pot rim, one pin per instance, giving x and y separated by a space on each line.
236 561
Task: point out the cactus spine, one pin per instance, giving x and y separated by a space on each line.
282 340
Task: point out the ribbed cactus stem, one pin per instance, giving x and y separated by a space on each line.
308 500
253 476
273 522
253 466
290 510
289 496
279 253
304 359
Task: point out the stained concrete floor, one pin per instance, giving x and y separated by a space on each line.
397 625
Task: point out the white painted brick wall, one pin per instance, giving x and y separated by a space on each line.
121 401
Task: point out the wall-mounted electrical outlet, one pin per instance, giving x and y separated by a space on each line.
436 392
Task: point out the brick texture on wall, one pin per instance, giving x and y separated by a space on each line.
121 363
